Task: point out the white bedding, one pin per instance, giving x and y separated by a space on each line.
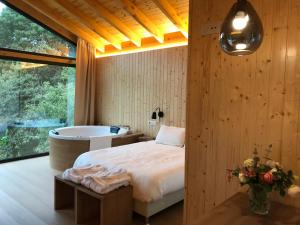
155 169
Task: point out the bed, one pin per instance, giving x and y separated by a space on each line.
157 172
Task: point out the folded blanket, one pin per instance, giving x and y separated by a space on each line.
103 182
77 174
98 178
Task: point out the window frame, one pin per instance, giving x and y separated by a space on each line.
18 55
42 55
18 59
24 157
32 57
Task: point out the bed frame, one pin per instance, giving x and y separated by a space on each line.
149 209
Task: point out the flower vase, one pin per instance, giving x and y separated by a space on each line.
259 200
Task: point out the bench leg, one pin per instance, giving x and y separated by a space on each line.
116 208
63 195
86 208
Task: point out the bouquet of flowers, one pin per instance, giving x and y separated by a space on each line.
263 178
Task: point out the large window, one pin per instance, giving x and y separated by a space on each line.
34 98
20 33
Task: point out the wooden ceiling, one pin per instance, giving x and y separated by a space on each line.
114 26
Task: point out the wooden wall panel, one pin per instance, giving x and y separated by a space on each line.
237 103
131 86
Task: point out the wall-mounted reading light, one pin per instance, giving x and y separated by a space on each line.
157 113
153 116
242 30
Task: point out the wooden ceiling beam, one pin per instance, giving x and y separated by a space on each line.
47 11
169 11
142 19
114 21
89 23
150 43
33 13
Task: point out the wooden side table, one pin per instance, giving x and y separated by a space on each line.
145 138
235 211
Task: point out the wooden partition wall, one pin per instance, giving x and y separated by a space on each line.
131 86
237 103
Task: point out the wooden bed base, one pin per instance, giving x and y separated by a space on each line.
149 209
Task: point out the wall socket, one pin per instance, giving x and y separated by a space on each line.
152 123
211 28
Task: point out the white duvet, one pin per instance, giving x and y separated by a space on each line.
155 169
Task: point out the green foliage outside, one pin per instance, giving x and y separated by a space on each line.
19 33
32 93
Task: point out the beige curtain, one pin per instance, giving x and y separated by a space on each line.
85 91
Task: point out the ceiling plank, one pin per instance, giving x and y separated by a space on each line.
67 24
31 12
89 23
170 12
114 21
140 17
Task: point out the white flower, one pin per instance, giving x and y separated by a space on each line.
293 191
242 178
249 163
272 163
274 170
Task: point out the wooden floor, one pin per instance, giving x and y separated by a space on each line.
26 197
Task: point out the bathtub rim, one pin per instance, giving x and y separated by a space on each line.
51 133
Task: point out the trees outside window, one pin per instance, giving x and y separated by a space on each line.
20 33
34 98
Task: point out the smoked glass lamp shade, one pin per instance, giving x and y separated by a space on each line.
242 31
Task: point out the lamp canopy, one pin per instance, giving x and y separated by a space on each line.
242 30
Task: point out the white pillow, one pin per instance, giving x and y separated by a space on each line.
170 136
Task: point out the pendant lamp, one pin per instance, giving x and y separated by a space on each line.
242 31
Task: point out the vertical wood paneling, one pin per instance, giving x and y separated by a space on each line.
237 103
131 86
197 123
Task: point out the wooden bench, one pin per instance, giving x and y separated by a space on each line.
114 208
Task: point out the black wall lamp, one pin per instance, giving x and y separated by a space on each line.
242 30
157 113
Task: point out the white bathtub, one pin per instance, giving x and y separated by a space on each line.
67 143
85 132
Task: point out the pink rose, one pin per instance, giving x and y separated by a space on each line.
268 178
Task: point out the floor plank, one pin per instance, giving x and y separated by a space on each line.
26 197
